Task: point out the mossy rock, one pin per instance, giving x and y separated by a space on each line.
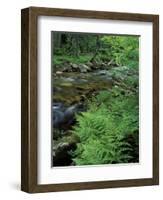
61 149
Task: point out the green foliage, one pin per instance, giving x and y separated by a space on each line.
81 48
61 59
108 131
124 50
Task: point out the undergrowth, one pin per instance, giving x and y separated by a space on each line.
108 131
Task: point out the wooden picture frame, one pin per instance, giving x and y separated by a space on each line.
29 112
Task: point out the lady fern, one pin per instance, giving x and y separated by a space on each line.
106 129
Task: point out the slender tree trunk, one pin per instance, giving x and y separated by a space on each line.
96 49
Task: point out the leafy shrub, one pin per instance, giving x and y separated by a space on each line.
80 48
124 50
108 131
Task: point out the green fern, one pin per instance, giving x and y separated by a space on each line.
106 129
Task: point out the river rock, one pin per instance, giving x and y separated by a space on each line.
102 72
61 149
84 68
74 66
59 72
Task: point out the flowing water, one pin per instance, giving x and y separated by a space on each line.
70 92
72 87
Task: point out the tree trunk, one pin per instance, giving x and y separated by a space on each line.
96 49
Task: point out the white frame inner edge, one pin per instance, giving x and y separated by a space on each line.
71 174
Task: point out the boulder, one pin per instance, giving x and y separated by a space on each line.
61 149
74 66
59 72
84 68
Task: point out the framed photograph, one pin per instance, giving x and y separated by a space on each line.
90 99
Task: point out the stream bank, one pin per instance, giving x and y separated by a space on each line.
71 91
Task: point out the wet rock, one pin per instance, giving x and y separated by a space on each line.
61 149
90 64
59 72
64 118
68 79
84 68
102 72
74 66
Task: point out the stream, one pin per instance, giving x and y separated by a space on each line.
70 92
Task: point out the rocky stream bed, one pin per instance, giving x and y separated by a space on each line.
70 92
